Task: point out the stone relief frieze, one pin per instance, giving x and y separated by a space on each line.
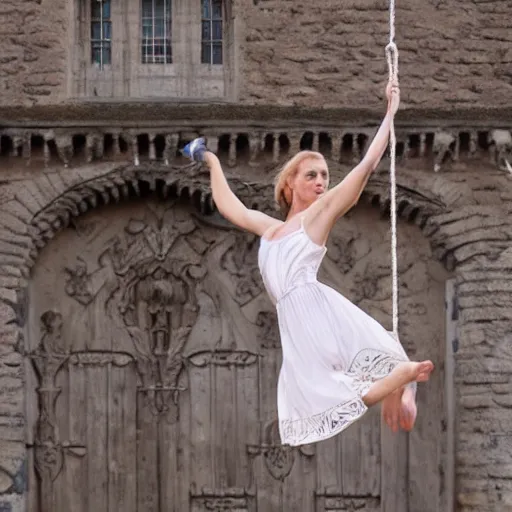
154 272
150 278
48 359
240 263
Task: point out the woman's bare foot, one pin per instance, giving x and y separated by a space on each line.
391 409
402 374
413 372
407 410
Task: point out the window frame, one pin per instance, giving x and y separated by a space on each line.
102 21
211 42
126 77
166 39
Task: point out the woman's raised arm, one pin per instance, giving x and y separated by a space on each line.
224 198
230 206
345 195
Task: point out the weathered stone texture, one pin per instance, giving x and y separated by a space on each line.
484 368
452 53
34 49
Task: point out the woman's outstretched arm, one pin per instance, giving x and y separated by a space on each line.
230 206
345 195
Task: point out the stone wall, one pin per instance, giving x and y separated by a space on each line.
482 353
34 44
452 53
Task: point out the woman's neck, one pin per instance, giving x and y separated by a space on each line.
296 209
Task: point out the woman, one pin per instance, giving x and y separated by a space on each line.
337 360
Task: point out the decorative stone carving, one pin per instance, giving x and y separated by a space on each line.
279 458
240 261
223 358
50 356
347 144
500 148
220 500
341 252
171 146
77 282
254 148
338 502
64 144
444 148
100 359
269 332
153 294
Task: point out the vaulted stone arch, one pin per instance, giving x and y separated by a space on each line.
475 241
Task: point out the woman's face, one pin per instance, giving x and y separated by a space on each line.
310 181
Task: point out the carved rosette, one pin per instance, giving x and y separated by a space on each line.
279 459
77 285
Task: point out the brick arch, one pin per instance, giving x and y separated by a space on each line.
120 184
457 228
191 183
35 214
474 240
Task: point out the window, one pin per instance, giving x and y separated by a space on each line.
156 32
211 39
154 49
101 33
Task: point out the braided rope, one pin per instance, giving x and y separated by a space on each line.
392 58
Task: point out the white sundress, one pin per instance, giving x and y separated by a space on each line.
332 350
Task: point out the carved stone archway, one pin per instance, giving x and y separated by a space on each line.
473 240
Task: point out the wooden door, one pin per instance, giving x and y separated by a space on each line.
152 365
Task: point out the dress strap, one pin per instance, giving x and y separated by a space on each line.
266 232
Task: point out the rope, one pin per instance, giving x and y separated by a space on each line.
392 58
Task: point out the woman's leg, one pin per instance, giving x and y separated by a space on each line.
402 374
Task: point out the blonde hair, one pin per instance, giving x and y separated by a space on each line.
283 194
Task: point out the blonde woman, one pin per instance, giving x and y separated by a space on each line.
337 360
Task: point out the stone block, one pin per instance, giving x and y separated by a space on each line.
6 482
8 295
473 499
486 377
500 471
503 400
500 447
7 314
19 211
476 401
13 223
12 428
